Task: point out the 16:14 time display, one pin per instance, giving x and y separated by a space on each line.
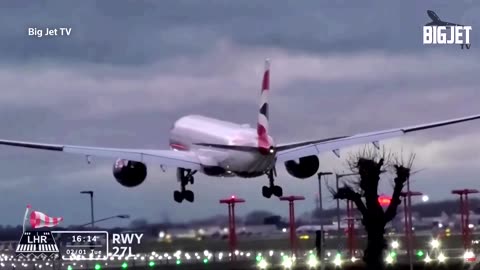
83 239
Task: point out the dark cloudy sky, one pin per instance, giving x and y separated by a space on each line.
131 68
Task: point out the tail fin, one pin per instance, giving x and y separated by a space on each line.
262 125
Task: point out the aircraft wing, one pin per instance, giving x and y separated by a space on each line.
452 24
442 23
297 150
168 158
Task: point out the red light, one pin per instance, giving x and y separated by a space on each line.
384 200
233 196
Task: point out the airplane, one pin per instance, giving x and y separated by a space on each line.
307 229
436 21
224 149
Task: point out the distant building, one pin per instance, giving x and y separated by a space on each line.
257 230
211 232
182 233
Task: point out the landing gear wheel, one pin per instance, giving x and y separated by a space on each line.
178 196
277 191
266 192
189 196
185 177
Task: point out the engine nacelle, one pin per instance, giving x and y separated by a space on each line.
129 173
304 168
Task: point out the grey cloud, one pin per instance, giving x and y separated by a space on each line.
144 32
231 73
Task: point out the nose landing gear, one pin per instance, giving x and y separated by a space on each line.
184 176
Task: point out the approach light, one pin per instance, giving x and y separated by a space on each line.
338 260
435 243
389 259
262 264
395 244
469 256
442 258
312 261
287 262
425 198
428 259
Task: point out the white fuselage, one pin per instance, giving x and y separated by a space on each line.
193 129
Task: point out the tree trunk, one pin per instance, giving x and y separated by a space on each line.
376 243
374 216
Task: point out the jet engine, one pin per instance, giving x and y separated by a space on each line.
304 168
129 173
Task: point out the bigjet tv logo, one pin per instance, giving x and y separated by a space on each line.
442 32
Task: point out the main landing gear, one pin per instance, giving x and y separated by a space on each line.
184 176
272 188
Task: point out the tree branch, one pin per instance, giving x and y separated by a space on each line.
403 174
347 193
361 206
391 211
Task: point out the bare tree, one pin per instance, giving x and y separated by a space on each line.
369 163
